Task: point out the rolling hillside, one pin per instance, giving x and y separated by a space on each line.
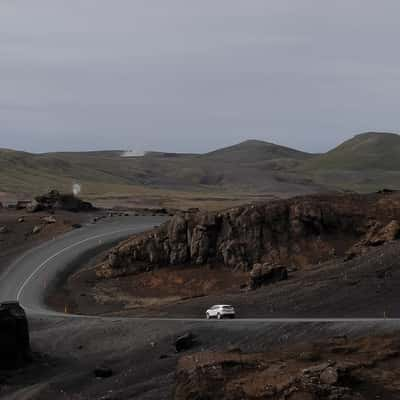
252 165
367 151
367 162
364 163
252 151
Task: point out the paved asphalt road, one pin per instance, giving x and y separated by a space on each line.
27 278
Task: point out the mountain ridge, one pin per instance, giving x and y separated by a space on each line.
253 165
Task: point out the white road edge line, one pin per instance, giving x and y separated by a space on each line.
37 269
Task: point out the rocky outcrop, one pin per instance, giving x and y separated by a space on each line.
265 274
298 231
55 200
356 370
49 219
377 235
14 336
22 204
184 342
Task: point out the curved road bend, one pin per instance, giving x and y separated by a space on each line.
27 278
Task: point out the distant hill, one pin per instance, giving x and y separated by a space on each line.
367 151
251 165
252 151
364 163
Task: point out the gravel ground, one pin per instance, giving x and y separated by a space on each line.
141 352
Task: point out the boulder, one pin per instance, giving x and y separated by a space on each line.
14 336
103 372
22 204
376 235
34 206
184 342
36 229
388 233
49 219
265 274
55 200
330 376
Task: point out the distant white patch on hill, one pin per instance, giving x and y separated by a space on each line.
133 153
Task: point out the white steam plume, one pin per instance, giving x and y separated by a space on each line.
76 189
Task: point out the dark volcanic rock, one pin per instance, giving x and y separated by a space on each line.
377 235
184 342
296 232
55 200
14 336
103 372
22 204
366 368
265 274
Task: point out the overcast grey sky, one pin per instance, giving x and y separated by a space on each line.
190 75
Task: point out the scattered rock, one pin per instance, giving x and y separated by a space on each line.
55 200
330 376
49 220
21 220
36 229
339 340
76 226
316 369
309 356
103 372
34 206
386 191
3 229
184 342
234 349
14 336
264 274
22 204
377 235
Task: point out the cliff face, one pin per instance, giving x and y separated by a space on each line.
297 232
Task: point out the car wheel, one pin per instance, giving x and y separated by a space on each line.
219 316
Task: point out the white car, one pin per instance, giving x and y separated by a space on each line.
220 311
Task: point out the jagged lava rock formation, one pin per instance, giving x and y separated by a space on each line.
295 232
55 200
